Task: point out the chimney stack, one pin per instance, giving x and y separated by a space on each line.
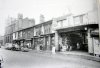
42 18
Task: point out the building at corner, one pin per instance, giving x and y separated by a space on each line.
78 33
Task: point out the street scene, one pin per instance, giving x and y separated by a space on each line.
50 34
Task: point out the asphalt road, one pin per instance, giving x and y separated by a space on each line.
32 59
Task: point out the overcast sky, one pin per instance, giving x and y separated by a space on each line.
49 8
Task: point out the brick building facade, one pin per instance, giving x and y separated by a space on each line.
14 31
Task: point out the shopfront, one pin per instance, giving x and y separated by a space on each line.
95 40
35 42
49 41
44 42
39 43
73 39
28 43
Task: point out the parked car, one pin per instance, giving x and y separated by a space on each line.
15 47
8 46
24 49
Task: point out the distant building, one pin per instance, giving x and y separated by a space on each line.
16 25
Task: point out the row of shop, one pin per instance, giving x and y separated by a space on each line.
44 42
81 38
61 34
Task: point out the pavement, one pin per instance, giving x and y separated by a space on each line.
83 55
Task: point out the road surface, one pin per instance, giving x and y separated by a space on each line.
18 59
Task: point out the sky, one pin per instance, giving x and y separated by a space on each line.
33 8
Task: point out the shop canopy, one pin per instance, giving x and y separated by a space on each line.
95 33
70 29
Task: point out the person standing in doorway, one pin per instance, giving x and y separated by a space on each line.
78 46
53 49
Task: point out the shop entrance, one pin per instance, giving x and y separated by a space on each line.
75 41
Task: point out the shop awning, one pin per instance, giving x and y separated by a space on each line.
28 39
18 39
77 28
95 32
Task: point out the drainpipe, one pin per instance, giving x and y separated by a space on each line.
98 6
98 13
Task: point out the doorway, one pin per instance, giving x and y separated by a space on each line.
75 41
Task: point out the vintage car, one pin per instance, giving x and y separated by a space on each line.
24 49
15 47
8 46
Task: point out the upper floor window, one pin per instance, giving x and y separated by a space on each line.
77 20
60 22
47 29
21 34
80 19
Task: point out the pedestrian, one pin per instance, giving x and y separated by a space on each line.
53 49
70 48
41 48
59 47
78 46
1 60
